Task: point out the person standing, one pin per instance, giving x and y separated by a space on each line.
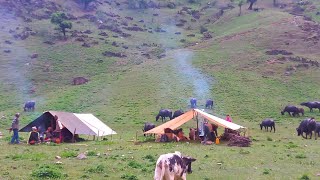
15 129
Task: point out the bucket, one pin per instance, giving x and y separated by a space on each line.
217 141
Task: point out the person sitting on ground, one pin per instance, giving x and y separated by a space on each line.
214 132
34 136
49 134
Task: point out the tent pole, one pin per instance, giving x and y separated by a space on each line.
197 127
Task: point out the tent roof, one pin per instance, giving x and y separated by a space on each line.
86 124
180 120
98 127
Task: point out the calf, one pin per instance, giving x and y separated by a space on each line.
29 105
173 166
307 126
268 123
147 127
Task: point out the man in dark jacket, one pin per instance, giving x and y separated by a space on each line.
15 129
34 136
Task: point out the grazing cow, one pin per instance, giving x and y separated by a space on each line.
164 113
147 127
177 113
307 126
193 102
292 109
29 105
317 131
311 105
209 103
173 166
268 123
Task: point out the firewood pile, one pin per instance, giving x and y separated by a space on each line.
235 139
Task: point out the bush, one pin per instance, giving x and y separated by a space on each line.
269 138
97 169
150 158
305 177
301 156
266 171
91 153
68 154
171 5
134 164
47 171
129 177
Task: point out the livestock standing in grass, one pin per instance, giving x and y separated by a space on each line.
173 166
177 113
148 126
163 113
29 106
268 123
292 109
311 105
307 126
209 104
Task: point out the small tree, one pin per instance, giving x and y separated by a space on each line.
60 19
251 3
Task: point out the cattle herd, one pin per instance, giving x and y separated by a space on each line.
175 166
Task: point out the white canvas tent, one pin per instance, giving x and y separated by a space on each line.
86 124
178 121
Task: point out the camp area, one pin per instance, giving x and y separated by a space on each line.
170 130
66 126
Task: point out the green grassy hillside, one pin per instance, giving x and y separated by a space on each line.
161 70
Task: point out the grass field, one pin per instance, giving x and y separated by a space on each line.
231 68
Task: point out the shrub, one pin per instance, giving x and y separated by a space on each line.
129 177
91 153
269 138
266 171
305 177
68 154
150 158
47 171
301 156
97 169
134 164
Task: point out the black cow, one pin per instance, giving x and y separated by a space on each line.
173 166
29 105
268 123
311 105
193 102
307 126
177 113
317 131
209 103
164 113
292 109
147 127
